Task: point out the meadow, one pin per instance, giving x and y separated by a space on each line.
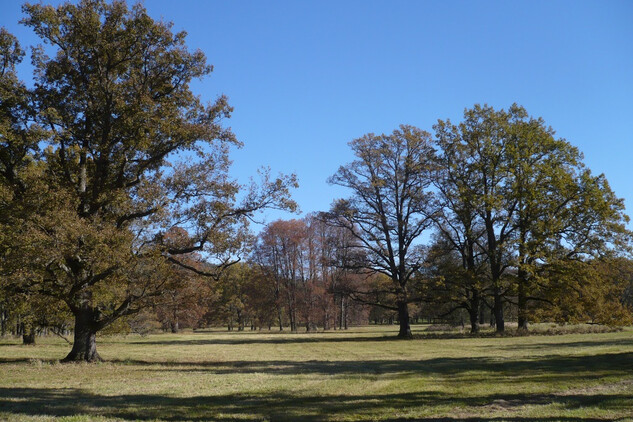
360 374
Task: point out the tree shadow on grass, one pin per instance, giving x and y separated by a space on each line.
274 339
573 344
287 406
555 365
465 370
331 337
282 405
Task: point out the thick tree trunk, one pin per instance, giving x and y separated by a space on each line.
473 311
522 302
28 337
494 258
523 324
403 318
85 339
498 312
474 320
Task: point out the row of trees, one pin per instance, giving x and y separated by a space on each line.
513 213
514 220
309 273
115 197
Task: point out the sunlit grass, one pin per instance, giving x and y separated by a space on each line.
360 374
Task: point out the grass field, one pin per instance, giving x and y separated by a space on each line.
360 374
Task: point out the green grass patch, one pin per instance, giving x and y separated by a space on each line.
360 374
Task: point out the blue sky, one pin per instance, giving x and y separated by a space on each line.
306 77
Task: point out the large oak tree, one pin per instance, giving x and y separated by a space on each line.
132 153
390 207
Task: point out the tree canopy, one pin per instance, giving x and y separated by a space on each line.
391 206
130 153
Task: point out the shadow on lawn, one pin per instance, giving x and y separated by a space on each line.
573 344
273 339
333 337
550 367
279 406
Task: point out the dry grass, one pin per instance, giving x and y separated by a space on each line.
361 374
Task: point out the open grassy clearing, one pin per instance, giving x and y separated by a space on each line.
361 374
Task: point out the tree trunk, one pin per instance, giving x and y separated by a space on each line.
522 302
28 336
341 313
240 321
474 320
345 313
403 318
309 320
3 322
498 312
293 321
280 319
522 279
85 339
473 311
175 326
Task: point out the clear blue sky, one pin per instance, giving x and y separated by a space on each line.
306 77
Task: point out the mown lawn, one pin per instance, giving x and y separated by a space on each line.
361 374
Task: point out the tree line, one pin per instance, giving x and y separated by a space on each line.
116 205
